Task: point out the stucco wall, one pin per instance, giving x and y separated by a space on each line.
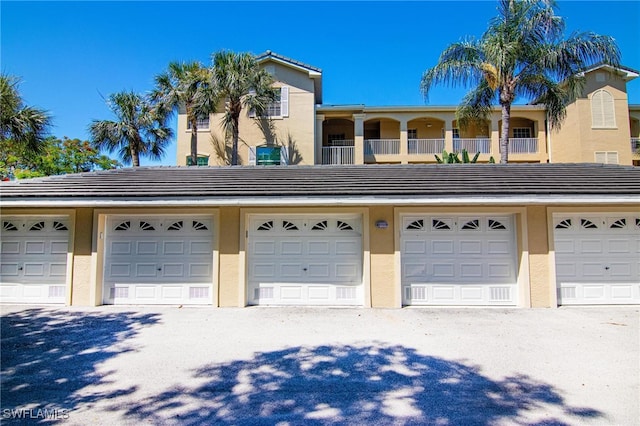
295 131
577 140
82 271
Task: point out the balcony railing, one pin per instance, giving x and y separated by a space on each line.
340 142
482 145
425 146
523 145
381 146
337 154
635 145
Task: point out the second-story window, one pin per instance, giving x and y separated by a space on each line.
521 132
412 133
202 123
279 108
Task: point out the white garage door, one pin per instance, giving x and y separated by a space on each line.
33 253
458 260
305 260
158 260
597 258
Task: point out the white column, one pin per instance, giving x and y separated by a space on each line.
404 142
318 139
358 133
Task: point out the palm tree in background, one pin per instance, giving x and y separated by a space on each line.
186 85
521 54
240 83
138 131
25 125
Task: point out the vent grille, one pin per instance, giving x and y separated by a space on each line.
416 293
345 293
568 293
119 292
263 293
56 291
500 293
198 292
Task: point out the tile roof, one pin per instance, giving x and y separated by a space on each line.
270 54
452 182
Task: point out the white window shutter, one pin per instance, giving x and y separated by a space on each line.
608 112
284 101
284 155
252 155
252 112
603 110
612 158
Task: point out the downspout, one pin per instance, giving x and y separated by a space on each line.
546 124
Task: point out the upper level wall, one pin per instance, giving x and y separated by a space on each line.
296 131
578 139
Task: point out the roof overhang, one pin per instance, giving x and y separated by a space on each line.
627 74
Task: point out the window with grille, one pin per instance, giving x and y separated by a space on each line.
521 132
280 107
202 123
603 110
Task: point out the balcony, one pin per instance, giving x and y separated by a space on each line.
635 145
425 146
338 152
481 145
382 146
523 145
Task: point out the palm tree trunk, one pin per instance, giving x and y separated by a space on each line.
234 145
235 131
194 143
504 136
135 155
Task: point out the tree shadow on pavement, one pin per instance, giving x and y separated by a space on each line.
49 356
372 384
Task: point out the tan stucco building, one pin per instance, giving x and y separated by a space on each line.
352 214
600 127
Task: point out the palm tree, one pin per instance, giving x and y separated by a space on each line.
186 85
139 129
28 126
521 54
241 83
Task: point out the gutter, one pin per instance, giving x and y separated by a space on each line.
326 201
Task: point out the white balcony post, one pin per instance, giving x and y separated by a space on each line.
358 142
319 139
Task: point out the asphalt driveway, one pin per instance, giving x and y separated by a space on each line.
294 366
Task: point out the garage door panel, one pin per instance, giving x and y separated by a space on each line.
157 260
603 267
465 257
471 247
317 248
442 247
470 270
314 255
146 248
293 248
34 247
9 247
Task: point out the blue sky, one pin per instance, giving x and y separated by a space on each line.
70 54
